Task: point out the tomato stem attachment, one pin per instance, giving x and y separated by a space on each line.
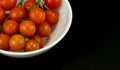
20 3
38 3
41 4
44 7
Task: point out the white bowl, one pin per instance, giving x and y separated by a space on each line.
58 33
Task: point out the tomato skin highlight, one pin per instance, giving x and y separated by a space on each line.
52 17
10 27
2 15
44 29
53 4
37 15
4 42
27 28
17 42
29 4
39 39
8 4
17 13
31 45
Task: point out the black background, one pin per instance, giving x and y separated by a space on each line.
107 36
90 44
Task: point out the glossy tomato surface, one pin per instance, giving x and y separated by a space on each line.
4 42
53 4
52 17
27 28
16 42
44 29
17 13
10 27
29 5
37 15
39 39
2 15
8 4
31 45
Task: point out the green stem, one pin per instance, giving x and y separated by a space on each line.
38 3
20 3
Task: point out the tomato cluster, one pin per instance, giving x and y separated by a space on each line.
24 25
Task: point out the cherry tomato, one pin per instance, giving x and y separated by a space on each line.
39 39
27 28
30 4
53 4
31 45
0 3
8 4
37 15
52 17
2 15
4 42
10 27
16 42
44 29
17 13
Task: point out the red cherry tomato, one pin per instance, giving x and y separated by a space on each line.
0 3
10 27
37 15
17 13
31 45
39 39
27 28
4 42
8 4
52 17
53 4
2 15
16 42
44 29
30 4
